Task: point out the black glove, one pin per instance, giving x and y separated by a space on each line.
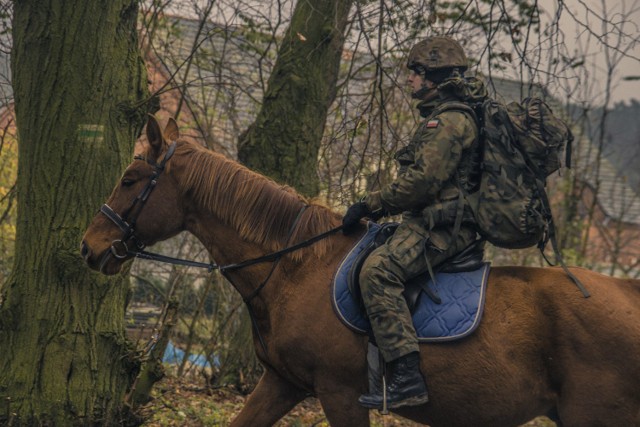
352 218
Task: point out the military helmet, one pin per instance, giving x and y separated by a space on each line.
437 52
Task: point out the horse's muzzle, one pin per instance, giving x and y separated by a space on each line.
105 263
85 251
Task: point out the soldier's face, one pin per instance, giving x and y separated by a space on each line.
418 85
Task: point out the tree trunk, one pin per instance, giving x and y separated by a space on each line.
284 141
77 76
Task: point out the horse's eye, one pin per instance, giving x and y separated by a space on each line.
126 182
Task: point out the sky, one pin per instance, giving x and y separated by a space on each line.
580 21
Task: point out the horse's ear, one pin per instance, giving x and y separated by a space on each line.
171 131
154 136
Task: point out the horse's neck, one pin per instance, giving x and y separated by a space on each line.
240 215
226 247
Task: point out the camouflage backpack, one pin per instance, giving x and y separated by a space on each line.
522 143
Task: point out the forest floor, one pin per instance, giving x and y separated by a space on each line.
178 402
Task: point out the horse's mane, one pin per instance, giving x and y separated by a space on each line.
261 210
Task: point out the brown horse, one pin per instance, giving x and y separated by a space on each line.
541 348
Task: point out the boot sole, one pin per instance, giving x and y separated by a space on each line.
412 401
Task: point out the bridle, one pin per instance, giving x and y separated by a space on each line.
127 222
120 249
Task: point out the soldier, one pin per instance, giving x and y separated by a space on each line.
439 163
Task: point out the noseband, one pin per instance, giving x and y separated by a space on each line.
127 221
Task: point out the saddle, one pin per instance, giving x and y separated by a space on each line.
470 259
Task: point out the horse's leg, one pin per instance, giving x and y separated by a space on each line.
342 409
554 416
272 398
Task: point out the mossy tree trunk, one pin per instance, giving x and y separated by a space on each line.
283 142
77 76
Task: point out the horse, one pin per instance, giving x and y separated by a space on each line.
541 349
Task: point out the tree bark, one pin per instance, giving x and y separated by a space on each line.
284 141
77 77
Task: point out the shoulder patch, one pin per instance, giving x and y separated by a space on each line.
433 123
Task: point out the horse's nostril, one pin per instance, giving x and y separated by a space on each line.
84 250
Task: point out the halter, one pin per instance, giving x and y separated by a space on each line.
127 221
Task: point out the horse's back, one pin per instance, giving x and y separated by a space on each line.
609 317
613 303
589 348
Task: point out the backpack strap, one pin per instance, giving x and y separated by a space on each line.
469 111
568 148
458 106
554 241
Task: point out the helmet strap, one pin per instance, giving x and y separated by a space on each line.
425 93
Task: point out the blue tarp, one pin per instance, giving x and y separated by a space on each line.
174 355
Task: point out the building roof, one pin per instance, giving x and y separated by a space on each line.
617 195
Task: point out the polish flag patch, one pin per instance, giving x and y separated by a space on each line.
433 123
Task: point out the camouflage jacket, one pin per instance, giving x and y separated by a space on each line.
442 156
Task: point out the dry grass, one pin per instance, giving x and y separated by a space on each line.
184 403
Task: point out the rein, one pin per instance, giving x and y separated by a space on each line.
274 256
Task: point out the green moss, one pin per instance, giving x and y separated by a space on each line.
285 139
74 64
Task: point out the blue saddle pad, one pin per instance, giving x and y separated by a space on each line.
458 315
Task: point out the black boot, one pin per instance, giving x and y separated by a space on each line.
405 385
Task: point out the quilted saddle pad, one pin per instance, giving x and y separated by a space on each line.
458 315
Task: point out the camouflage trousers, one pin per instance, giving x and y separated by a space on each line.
401 258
